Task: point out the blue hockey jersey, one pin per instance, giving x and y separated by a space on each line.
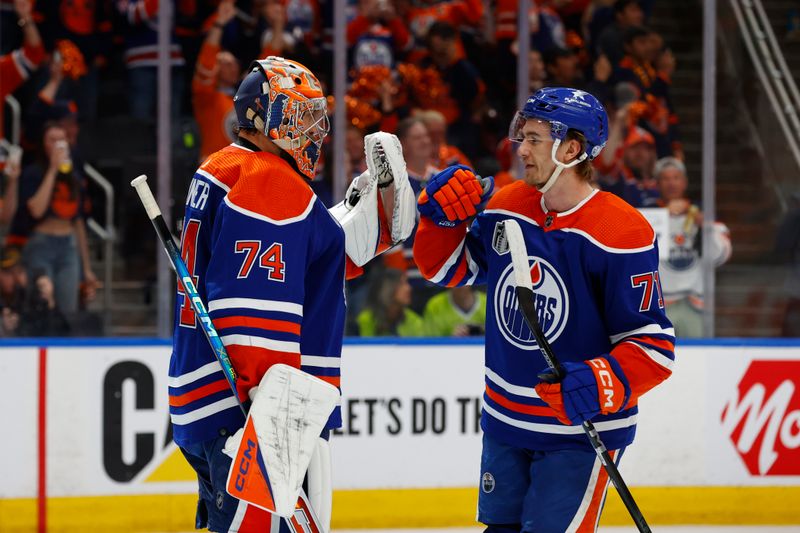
269 262
594 270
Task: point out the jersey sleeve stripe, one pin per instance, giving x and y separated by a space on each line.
320 361
534 410
284 222
648 329
194 375
460 273
448 264
210 177
198 393
494 377
656 356
203 412
261 342
260 323
253 303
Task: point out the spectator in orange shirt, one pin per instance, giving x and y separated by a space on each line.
17 66
215 78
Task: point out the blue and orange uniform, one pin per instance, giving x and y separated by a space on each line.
269 261
595 278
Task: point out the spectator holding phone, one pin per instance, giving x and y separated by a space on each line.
52 198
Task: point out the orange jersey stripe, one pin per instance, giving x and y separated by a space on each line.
460 272
519 407
260 323
205 390
336 381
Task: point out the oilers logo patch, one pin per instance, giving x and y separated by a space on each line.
487 482
552 305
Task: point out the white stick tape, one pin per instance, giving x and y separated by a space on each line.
146 195
519 253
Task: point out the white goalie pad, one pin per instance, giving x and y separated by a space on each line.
379 209
288 413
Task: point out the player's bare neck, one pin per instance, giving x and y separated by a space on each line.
568 192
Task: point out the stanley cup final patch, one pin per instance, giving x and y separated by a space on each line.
487 482
499 240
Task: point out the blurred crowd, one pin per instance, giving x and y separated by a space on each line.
441 75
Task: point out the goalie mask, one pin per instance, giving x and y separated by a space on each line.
283 99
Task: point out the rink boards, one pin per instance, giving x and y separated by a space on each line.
87 441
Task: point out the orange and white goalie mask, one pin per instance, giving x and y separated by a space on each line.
284 100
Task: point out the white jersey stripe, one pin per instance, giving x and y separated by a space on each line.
283 222
320 361
452 260
558 428
583 508
650 328
210 177
258 305
609 249
203 412
655 355
514 214
261 342
194 375
494 377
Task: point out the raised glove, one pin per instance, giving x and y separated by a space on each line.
453 195
589 388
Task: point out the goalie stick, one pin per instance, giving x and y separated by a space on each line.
304 519
525 296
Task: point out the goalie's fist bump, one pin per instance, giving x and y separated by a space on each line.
453 195
589 388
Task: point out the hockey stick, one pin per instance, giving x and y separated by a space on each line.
178 265
525 296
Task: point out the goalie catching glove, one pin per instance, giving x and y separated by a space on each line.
378 211
589 388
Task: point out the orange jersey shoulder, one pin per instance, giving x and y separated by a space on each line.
614 223
269 187
517 197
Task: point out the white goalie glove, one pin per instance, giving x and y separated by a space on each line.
379 210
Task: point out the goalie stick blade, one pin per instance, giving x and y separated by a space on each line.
246 478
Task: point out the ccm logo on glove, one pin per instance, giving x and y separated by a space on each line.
610 391
588 388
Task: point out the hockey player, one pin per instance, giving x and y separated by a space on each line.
595 277
269 261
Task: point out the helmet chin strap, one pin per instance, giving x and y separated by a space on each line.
559 167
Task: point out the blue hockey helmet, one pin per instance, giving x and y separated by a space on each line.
565 109
284 100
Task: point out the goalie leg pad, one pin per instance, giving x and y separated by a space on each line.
288 413
320 483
